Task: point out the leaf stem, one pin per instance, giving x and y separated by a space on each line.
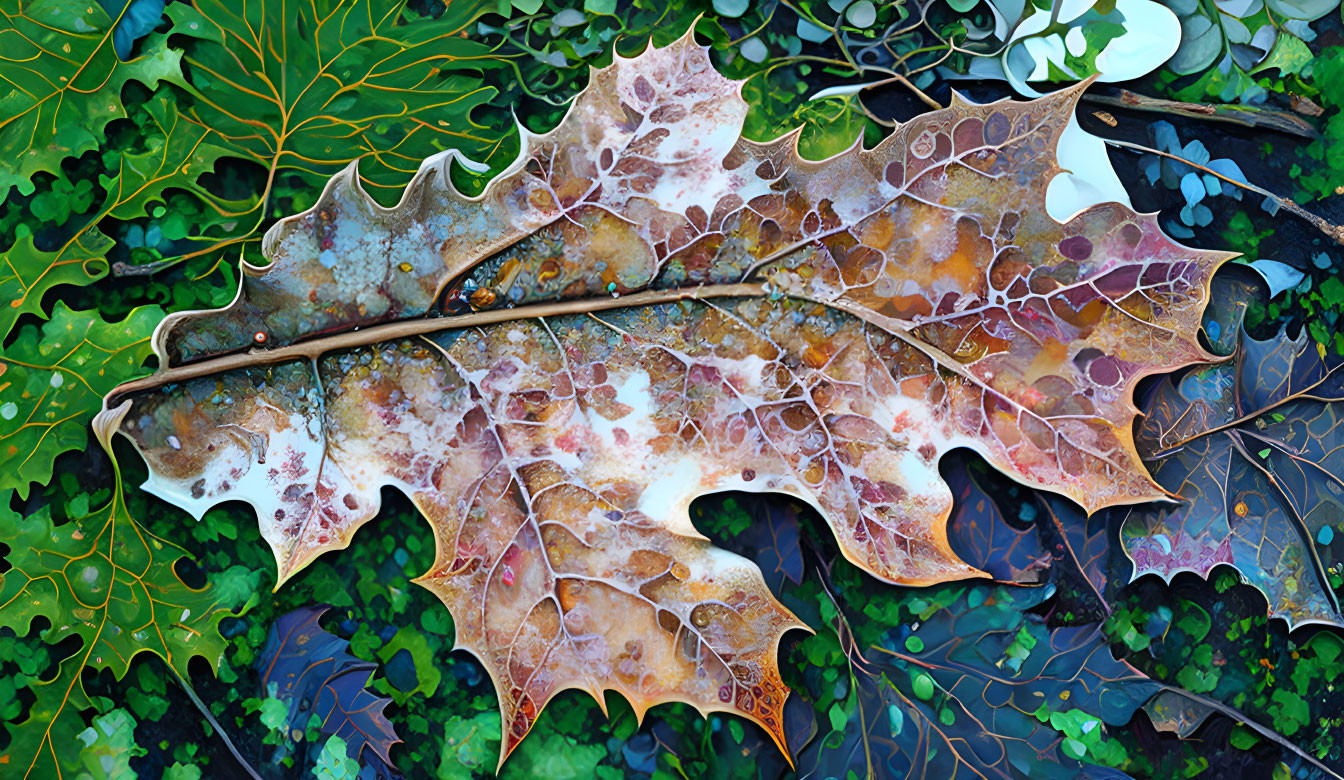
313 349
205 711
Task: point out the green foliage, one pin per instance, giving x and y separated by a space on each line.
1226 47
103 579
1232 653
561 756
108 746
62 84
1322 175
315 86
469 745
52 382
333 763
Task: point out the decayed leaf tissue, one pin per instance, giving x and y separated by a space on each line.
644 308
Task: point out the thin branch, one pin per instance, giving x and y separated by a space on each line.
1258 118
1335 232
1263 731
908 84
200 705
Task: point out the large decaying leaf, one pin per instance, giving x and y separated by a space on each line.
651 309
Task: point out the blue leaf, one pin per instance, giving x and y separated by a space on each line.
1228 168
314 674
1177 230
137 19
641 753
811 32
1192 188
1196 153
400 671
1279 276
1164 135
1152 168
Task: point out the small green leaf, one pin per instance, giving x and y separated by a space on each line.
1074 749
1243 738
334 763
923 686
838 717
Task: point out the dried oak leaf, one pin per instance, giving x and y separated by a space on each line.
645 308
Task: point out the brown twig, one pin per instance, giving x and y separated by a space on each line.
1258 118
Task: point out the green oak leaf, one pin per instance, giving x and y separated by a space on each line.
176 154
27 272
61 81
52 383
314 86
104 579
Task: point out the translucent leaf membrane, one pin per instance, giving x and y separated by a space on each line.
1251 447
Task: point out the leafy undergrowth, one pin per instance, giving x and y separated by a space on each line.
140 159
